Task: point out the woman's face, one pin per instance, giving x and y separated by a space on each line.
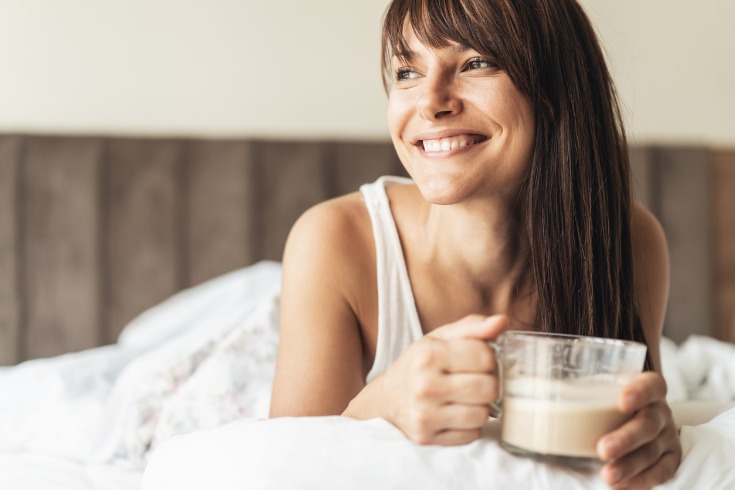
459 125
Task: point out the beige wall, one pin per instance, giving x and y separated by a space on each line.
674 66
292 68
219 67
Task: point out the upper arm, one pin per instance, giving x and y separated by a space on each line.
319 367
651 275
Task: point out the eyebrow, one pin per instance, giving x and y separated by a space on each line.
410 55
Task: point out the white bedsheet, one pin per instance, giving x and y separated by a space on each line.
337 453
205 358
202 358
38 471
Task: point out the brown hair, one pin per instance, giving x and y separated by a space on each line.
576 197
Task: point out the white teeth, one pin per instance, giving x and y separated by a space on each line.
448 144
432 145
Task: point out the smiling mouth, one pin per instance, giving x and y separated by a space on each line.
452 143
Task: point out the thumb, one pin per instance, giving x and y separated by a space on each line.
479 327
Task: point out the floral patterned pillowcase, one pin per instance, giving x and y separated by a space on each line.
232 383
197 382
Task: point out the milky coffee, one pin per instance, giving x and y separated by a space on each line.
553 417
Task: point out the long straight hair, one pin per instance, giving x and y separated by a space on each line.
576 197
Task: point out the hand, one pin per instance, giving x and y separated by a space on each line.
646 450
439 390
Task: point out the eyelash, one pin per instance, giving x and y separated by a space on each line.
405 73
478 59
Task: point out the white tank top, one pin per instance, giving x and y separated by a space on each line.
398 320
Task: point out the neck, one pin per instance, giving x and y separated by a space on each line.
491 254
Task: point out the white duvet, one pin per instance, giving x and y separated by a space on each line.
335 453
201 363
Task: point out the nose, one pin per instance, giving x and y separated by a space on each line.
438 99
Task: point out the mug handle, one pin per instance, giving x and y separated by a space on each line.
496 407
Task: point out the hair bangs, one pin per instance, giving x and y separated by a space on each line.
437 24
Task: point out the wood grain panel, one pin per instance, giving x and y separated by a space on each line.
61 262
291 177
723 173
144 247
684 208
93 232
354 164
220 200
10 148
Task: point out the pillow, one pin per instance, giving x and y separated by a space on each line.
231 295
233 382
174 339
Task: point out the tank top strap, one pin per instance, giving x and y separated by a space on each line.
398 321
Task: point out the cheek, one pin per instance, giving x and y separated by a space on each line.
515 115
393 116
528 131
398 116
400 110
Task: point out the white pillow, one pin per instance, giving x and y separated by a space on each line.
231 295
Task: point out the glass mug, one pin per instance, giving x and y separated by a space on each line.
559 393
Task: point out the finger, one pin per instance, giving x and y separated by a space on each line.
454 437
473 327
658 473
645 425
644 389
468 356
643 458
468 388
462 417
453 356
633 463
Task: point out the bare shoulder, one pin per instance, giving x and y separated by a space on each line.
651 272
646 230
333 233
650 251
331 249
320 364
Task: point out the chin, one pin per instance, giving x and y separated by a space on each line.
444 190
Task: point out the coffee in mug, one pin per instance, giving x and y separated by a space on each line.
559 393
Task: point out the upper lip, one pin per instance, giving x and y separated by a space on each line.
444 133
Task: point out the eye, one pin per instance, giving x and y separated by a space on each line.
480 64
405 73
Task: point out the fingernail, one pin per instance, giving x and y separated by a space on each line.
490 319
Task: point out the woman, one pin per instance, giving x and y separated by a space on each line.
518 216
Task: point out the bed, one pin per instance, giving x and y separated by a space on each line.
139 294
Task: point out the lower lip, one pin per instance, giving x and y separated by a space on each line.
449 153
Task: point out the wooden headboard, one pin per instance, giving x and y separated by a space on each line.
94 230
